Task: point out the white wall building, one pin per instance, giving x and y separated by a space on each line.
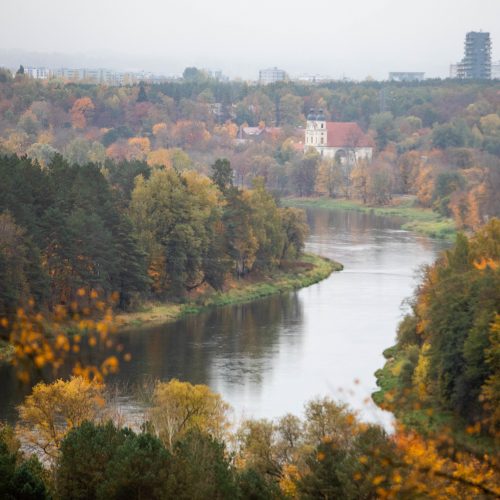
344 141
37 73
272 75
495 70
406 76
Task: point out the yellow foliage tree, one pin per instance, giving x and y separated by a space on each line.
181 406
160 157
329 178
40 340
51 410
159 128
139 147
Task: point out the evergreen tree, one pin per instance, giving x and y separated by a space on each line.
222 174
142 96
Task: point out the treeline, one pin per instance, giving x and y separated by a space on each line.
66 227
187 449
445 369
461 183
436 140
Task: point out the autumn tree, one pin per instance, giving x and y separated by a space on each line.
303 173
179 407
81 111
329 178
175 219
51 410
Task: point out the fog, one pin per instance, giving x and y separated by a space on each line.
353 39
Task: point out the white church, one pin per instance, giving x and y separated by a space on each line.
344 141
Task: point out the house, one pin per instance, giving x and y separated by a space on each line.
246 133
344 141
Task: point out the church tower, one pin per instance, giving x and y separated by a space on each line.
316 134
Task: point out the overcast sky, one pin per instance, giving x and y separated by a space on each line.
351 38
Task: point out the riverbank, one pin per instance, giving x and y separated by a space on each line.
420 220
410 411
308 270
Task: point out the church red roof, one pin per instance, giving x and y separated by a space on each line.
347 134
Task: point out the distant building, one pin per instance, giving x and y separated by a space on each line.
495 70
93 75
37 73
454 70
344 141
476 63
307 78
216 74
272 75
246 134
406 76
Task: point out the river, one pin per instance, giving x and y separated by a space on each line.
269 357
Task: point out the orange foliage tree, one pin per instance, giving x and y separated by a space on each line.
81 111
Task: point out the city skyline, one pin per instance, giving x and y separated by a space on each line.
364 39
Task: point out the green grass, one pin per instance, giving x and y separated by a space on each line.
308 270
420 220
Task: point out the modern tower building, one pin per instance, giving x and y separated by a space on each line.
477 56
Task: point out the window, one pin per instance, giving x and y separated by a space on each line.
322 140
322 125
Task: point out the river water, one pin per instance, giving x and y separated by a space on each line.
269 357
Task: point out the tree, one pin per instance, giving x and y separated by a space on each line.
296 229
242 243
360 180
291 110
326 418
202 468
160 157
385 131
454 134
78 151
50 411
85 454
42 153
445 185
329 178
21 272
192 74
19 478
174 216
361 470
179 407
102 461
142 96
304 172
140 468
223 174
81 111
267 225
380 182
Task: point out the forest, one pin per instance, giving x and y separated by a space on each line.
436 141
132 230
443 371
440 381
113 196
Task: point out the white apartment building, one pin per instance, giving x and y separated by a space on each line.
272 75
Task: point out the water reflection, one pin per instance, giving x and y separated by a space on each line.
269 357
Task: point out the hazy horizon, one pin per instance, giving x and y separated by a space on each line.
364 38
